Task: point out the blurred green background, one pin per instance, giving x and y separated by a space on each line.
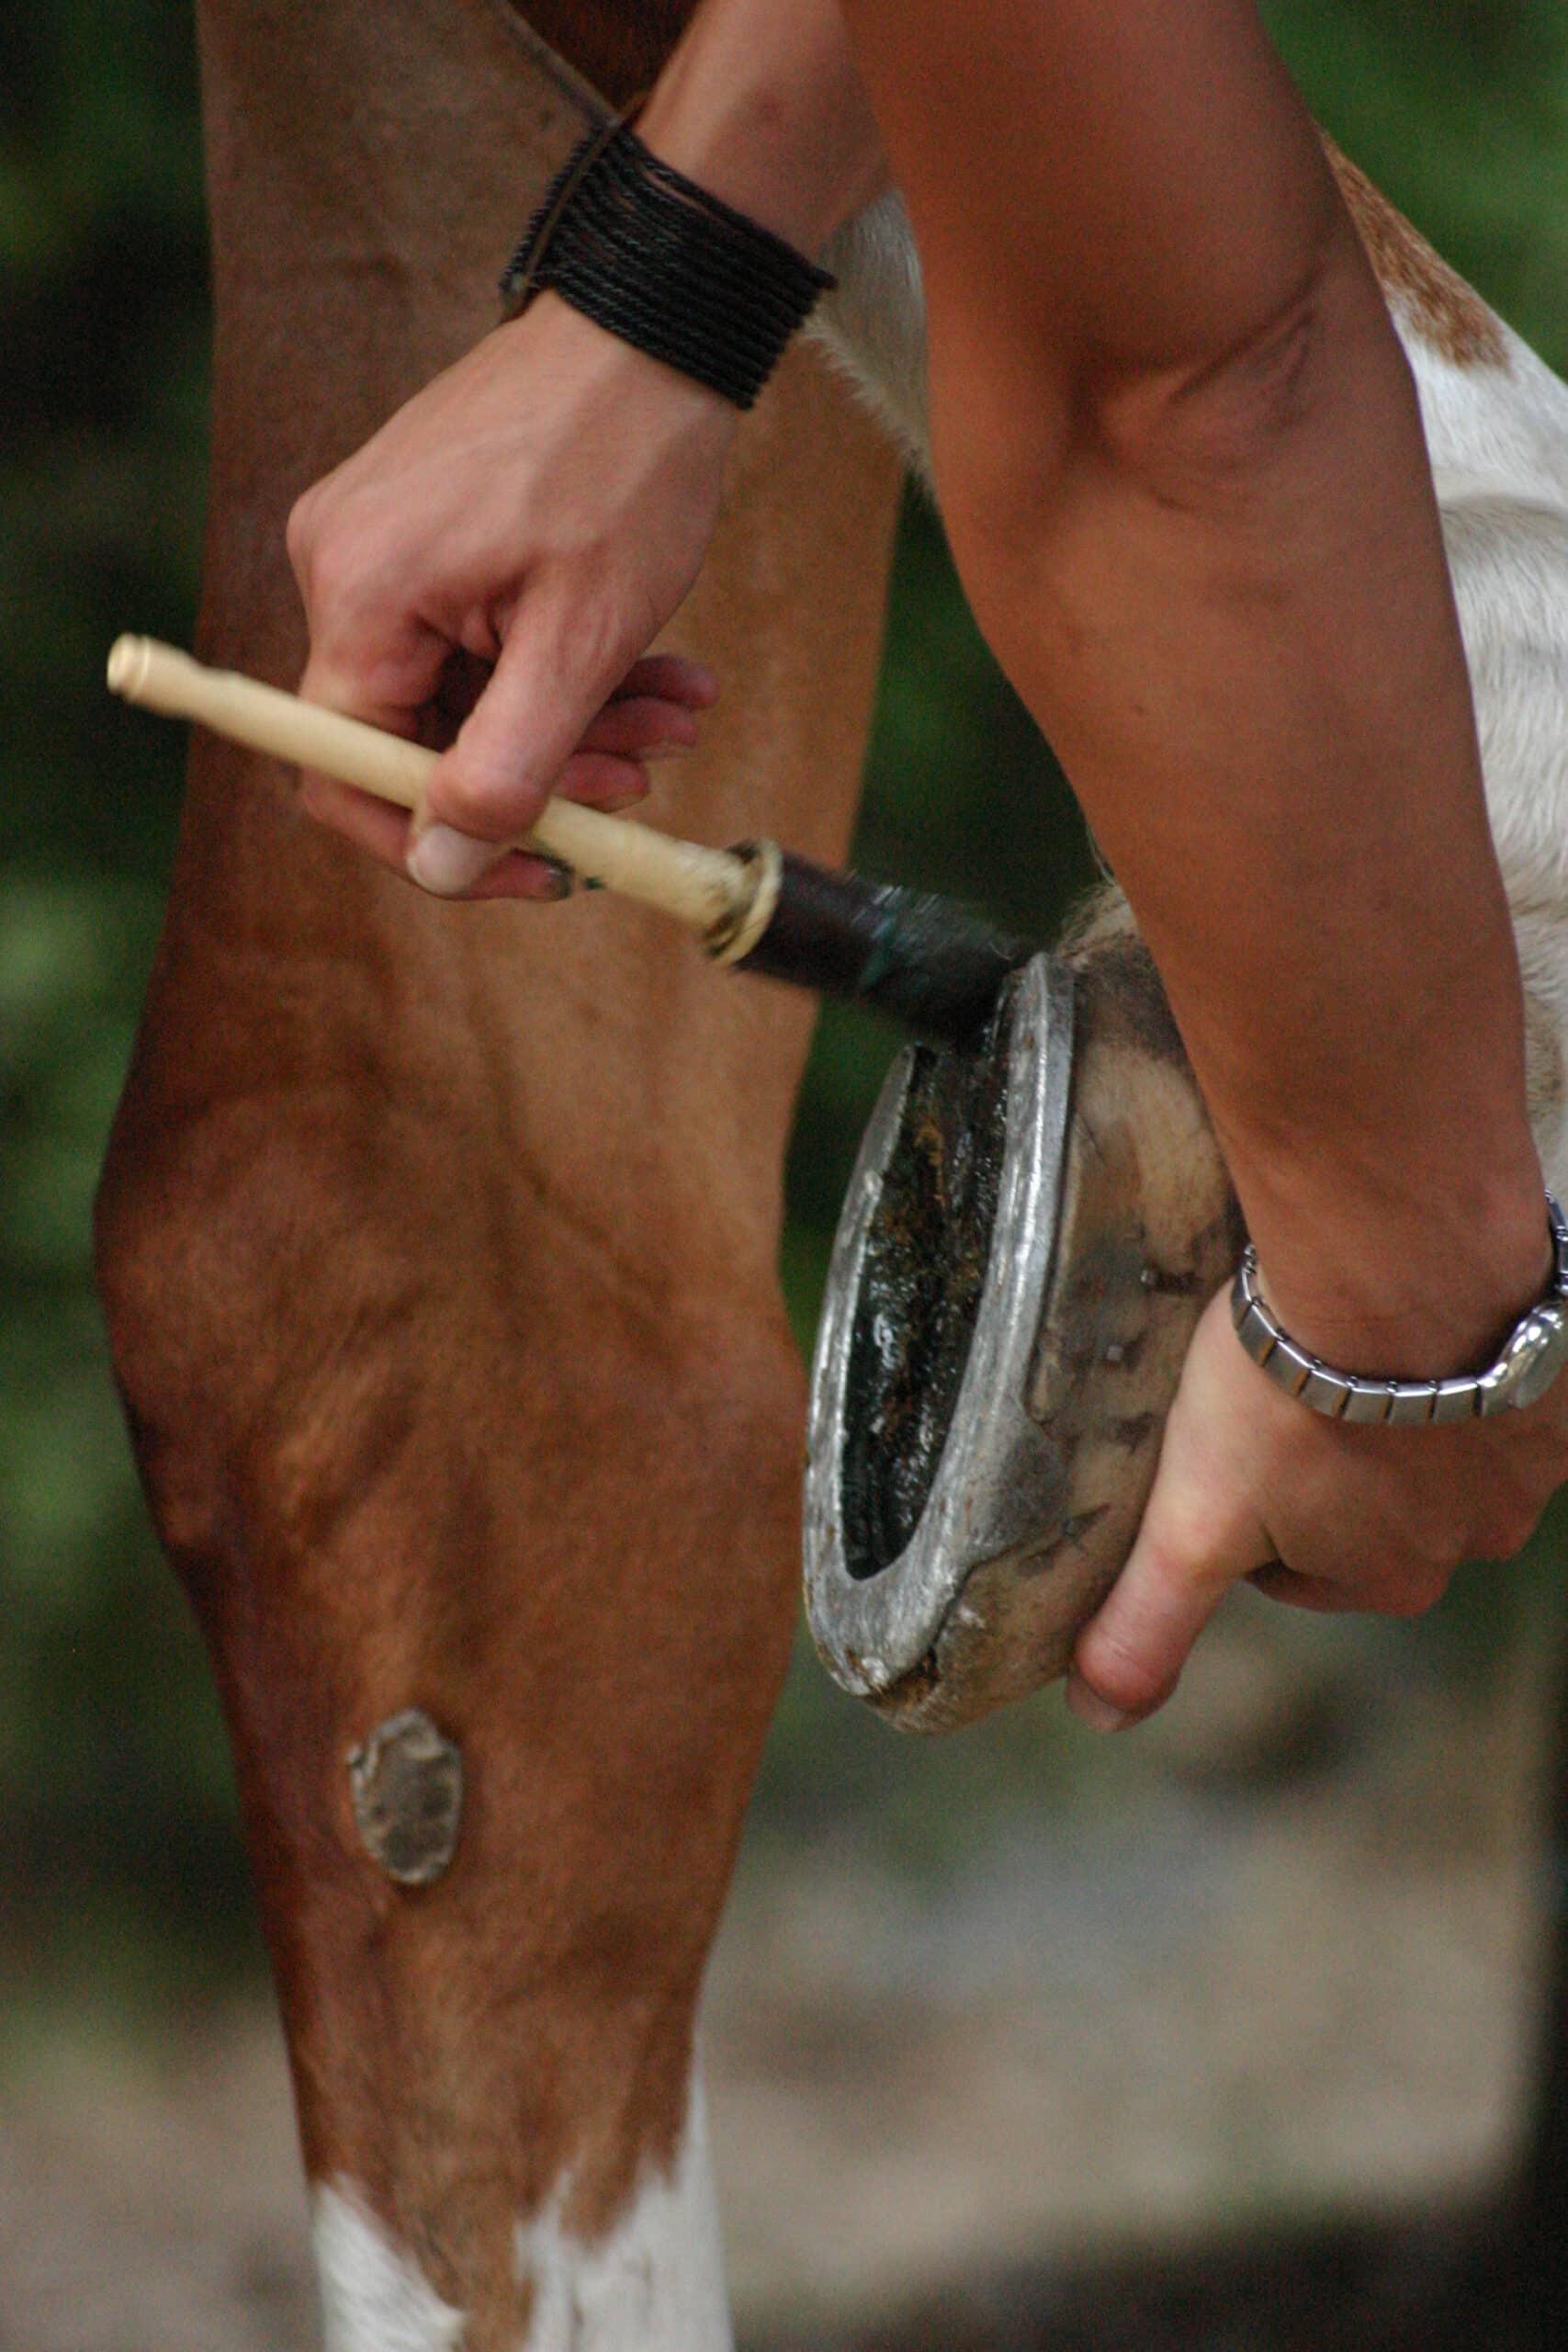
118 1858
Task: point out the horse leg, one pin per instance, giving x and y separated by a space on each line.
437 1247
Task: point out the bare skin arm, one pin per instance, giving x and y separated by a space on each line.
1212 564
1179 458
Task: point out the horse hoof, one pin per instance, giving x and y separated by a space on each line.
1029 1237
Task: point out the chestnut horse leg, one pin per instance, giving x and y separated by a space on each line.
437 1247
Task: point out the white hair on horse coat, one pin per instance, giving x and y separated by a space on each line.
874 324
1496 425
1497 438
1508 558
373 2298
655 2283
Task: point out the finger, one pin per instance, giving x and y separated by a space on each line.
1128 1657
384 668
1299 1591
490 785
370 824
380 700
602 783
641 726
670 677
589 778
518 875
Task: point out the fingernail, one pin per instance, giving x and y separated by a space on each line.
447 863
1090 1709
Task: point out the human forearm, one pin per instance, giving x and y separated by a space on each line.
763 105
1187 489
1246 656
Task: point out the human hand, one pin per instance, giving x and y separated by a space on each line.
485 576
1252 1483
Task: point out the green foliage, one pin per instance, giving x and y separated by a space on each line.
116 1810
1459 110
111 1766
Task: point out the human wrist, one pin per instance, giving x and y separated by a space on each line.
1399 1283
660 261
1378 1135
672 435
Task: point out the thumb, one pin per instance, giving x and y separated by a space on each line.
488 789
1199 1536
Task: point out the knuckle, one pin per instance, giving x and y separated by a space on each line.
352 574
299 533
336 571
1188 1553
477 803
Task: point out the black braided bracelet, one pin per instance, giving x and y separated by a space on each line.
643 251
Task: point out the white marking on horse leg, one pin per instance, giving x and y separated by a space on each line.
654 2284
373 2298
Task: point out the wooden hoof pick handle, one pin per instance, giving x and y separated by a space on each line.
923 960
